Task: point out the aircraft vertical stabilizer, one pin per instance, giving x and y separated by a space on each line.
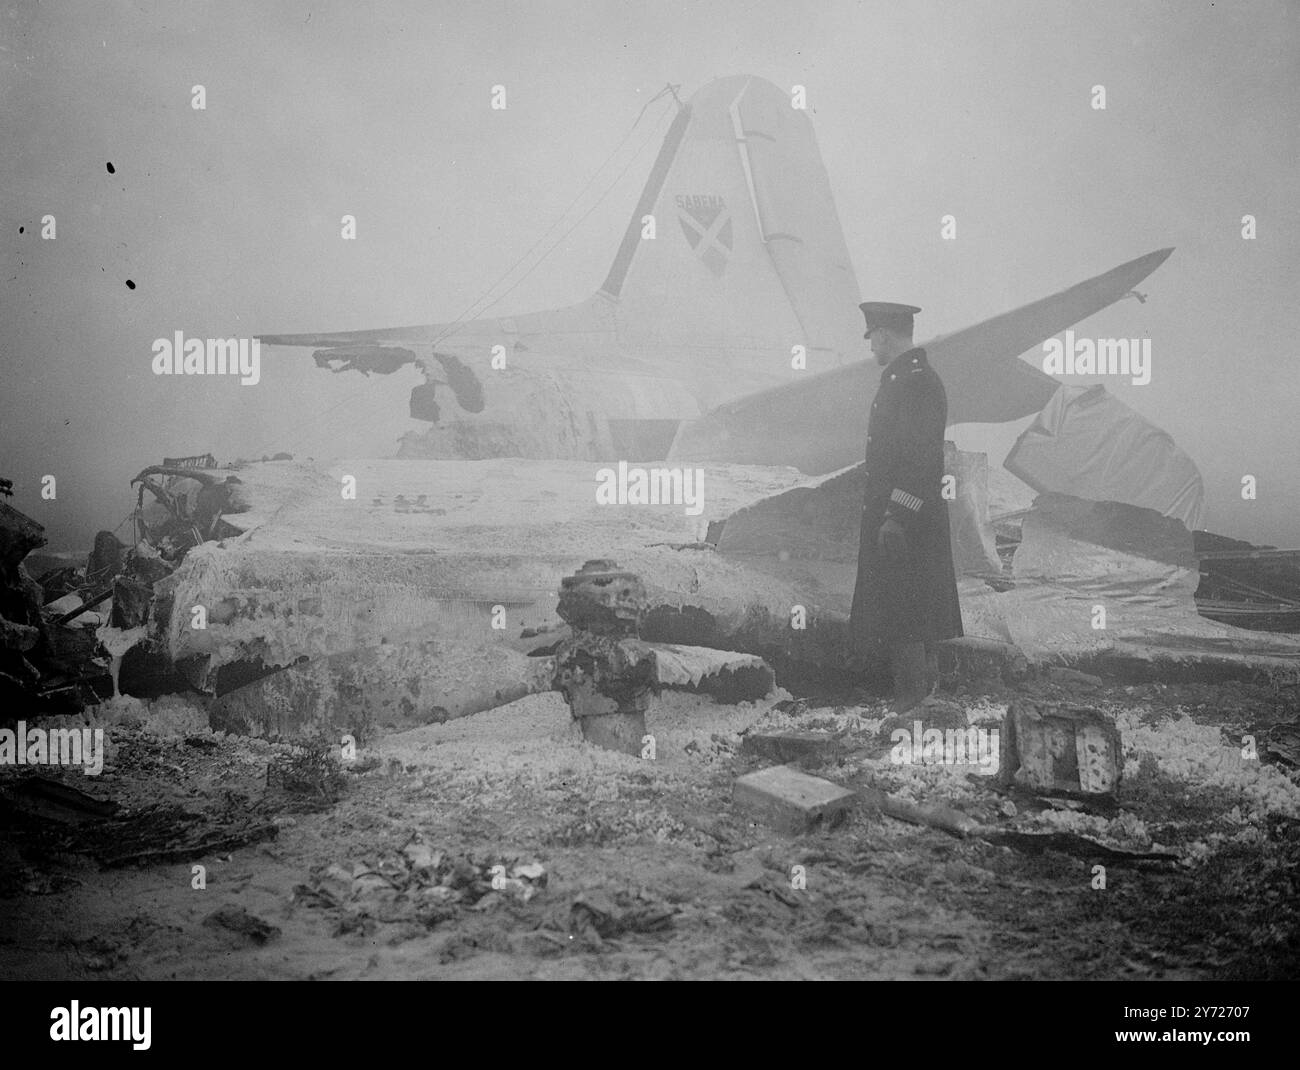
749 253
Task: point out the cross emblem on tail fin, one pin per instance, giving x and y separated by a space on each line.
707 226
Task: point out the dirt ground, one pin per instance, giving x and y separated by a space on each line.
502 846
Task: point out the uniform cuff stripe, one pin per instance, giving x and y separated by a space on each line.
907 501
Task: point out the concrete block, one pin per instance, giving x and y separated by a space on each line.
791 801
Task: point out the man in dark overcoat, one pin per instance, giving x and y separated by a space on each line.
905 599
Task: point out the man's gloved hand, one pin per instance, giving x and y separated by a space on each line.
892 539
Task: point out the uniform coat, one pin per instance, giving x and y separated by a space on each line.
914 598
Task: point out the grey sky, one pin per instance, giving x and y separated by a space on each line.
227 219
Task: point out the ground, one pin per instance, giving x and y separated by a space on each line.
620 867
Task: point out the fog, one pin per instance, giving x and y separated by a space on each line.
227 220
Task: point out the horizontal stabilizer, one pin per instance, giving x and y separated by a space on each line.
819 425
424 333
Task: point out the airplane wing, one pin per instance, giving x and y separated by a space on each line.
401 336
819 425
570 328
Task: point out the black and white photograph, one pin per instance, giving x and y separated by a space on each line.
601 490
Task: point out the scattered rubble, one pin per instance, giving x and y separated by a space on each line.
506 834
54 800
312 769
116 837
416 887
242 924
597 915
1073 844
1282 744
946 818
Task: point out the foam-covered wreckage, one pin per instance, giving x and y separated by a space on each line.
608 675
1051 577
187 505
48 656
21 628
434 591
73 635
1113 586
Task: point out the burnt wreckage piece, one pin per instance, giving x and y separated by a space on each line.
607 675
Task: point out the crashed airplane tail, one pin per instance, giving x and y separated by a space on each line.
732 256
726 328
748 252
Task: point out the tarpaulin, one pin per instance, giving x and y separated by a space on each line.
1091 445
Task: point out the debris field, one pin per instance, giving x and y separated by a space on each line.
505 845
